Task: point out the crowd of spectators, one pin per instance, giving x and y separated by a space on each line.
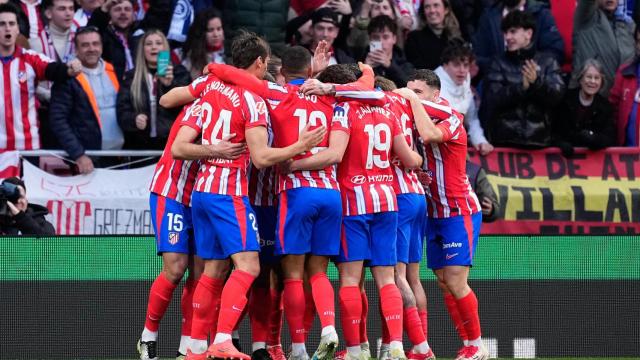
527 74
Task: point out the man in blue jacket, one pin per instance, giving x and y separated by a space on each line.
488 40
83 115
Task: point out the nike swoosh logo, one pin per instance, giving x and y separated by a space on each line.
235 308
448 257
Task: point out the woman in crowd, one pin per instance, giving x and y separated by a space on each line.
205 42
585 118
144 122
441 26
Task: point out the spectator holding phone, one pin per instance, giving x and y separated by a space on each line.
20 217
144 122
384 56
358 38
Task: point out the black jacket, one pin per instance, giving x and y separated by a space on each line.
30 222
158 16
399 70
140 139
424 48
514 116
482 187
576 125
72 119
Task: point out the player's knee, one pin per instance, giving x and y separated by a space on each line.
174 270
250 267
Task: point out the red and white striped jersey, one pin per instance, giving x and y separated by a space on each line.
406 180
450 193
174 179
18 110
365 173
291 111
34 13
262 186
226 109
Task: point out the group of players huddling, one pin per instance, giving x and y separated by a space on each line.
325 169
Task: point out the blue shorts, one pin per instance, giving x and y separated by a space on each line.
172 224
224 225
309 222
412 216
267 220
452 241
370 237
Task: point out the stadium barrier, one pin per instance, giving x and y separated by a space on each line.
85 298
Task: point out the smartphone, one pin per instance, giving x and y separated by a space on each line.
163 62
375 45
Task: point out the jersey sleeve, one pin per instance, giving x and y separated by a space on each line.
450 127
38 62
191 116
254 110
340 119
198 85
396 126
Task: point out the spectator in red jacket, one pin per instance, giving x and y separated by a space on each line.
625 97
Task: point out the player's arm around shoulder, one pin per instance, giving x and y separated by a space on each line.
429 132
338 141
184 148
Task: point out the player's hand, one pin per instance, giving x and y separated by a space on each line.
321 57
167 79
225 149
74 67
407 94
309 139
424 178
141 121
85 165
315 87
487 206
484 148
362 66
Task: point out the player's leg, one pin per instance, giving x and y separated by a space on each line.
382 261
413 277
309 305
260 297
364 339
324 244
274 346
196 267
461 237
419 230
172 239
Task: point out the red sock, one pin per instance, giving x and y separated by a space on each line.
363 318
259 301
205 299
391 303
452 308
385 330
186 305
468 308
323 296
275 317
309 313
233 300
424 321
159 299
413 325
294 309
242 315
350 314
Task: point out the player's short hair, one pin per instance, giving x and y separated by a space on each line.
246 47
382 22
518 19
338 74
296 60
9 8
46 4
457 50
428 76
384 84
